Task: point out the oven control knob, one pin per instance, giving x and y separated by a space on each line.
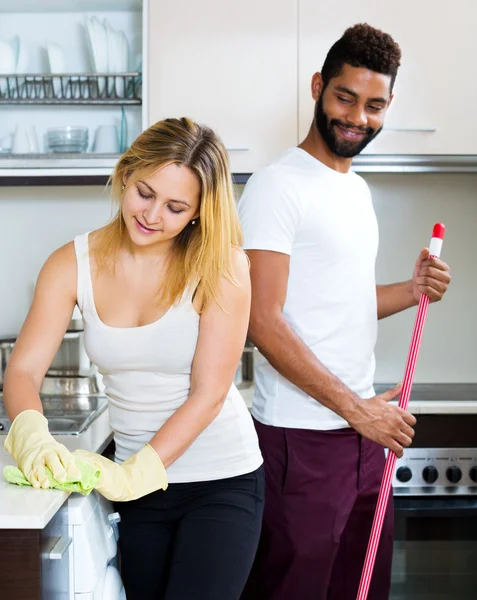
430 474
473 474
454 474
403 474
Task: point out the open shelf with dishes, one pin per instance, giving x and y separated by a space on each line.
71 87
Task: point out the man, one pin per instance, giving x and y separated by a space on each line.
311 235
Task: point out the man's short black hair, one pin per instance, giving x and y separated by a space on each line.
363 46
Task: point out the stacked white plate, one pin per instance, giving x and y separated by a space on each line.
67 139
109 51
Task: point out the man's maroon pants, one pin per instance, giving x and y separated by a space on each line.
321 492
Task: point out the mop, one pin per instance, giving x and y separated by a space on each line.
435 250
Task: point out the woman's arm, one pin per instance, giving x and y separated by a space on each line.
29 441
221 340
42 332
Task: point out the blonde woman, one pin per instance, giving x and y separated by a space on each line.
164 291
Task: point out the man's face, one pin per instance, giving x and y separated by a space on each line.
350 110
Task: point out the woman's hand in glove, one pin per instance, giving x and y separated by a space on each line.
139 475
34 448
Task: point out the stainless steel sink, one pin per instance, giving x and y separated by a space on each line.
67 415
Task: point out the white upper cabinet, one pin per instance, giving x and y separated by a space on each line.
434 109
231 66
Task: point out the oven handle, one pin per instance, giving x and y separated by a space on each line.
438 506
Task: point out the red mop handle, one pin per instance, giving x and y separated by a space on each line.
435 250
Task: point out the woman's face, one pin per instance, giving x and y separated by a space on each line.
157 209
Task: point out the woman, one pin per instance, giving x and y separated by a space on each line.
164 292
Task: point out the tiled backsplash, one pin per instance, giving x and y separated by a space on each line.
37 220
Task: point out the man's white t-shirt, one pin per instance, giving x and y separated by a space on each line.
326 222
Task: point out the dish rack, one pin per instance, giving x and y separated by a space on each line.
71 88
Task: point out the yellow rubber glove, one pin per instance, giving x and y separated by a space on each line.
34 448
139 475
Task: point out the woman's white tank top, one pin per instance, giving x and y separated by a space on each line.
146 373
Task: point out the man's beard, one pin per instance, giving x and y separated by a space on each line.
339 147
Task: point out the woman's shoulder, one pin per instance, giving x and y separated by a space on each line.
240 264
59 270
240 259
95 235
64 258
235 282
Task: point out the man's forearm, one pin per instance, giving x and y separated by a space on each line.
394 298
289 355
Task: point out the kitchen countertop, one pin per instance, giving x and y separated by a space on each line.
442 407
28 508
423 404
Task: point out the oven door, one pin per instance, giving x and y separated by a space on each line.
435 550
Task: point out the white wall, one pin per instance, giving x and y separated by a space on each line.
407 207
35 221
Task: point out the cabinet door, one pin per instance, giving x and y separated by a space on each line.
433 111
56 557
230 65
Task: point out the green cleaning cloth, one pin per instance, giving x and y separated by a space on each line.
84 485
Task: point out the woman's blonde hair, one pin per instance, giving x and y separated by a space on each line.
202 253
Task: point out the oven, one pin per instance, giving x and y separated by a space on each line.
435 497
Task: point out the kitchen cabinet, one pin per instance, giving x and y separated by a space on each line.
53 547
230 65
244 69
436 88
35 564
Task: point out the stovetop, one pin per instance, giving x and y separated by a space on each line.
67 415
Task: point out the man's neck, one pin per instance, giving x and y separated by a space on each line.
316 146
